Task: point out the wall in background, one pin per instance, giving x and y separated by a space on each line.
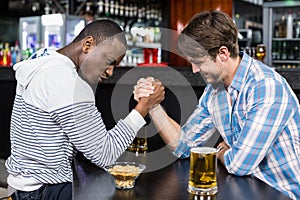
9 29
182 11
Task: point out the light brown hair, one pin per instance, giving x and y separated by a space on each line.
206 32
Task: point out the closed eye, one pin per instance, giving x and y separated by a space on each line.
111 63
198 64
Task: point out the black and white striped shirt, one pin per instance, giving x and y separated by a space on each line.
54 115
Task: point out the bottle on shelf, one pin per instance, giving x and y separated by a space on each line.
296 51
121 9
112 8
100 5
284 44
282 27
283 53
106 8
140 21
16 55
290 51
1 54
117 8
126 9
276 46
296 28
26 54
276 29
289 26
6 60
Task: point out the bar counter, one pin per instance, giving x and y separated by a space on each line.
168 183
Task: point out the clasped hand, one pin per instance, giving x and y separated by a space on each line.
150 89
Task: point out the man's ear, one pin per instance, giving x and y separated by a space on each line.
224 53
88 43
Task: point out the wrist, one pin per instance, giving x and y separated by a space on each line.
142 109
155 109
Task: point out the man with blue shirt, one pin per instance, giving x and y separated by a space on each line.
248 103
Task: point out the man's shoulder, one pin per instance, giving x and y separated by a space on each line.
59 69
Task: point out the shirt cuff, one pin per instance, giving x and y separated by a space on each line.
135 120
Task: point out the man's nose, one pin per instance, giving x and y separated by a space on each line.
195 68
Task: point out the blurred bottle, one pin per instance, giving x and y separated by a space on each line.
154 55
275 50
106 8
147 55
296 51
26 54
276 29
279 47
6 56
296 27
117 7
121 9
290 51
283 53
112 8
289 26
282 27
1 54
126 9
100 8
16 55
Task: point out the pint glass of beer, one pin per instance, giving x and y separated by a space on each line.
203 176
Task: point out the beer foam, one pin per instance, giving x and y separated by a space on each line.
204 150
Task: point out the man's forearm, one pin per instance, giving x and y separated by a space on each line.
169 129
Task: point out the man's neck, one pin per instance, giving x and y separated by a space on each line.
233 65
70 52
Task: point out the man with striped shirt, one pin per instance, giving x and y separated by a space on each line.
248 103
54 113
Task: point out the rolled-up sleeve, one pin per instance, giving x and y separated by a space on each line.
197 129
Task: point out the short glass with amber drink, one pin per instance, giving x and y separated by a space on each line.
260 52
139 143
203 176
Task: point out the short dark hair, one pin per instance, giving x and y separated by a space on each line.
209 31
101 30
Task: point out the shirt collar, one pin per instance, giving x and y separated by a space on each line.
241 72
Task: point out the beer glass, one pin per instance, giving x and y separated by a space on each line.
201 197
261 52
139 143
203 176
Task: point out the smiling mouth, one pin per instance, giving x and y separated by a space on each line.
101 78
204 74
